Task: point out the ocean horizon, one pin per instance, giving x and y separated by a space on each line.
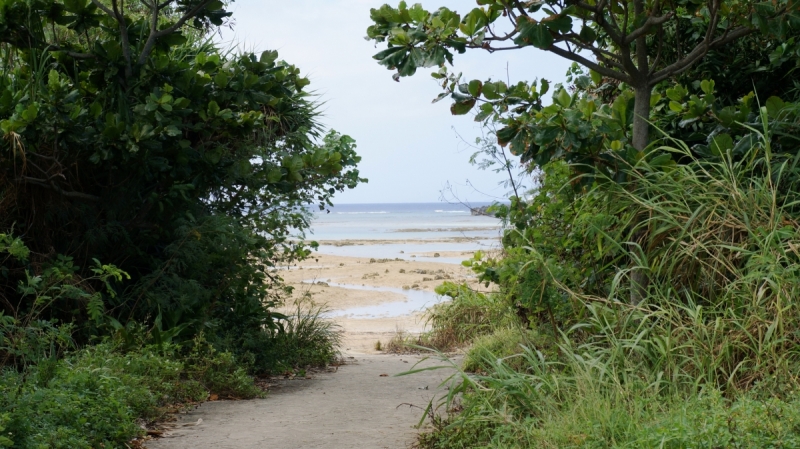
402 221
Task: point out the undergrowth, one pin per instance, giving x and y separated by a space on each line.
100 396
710 359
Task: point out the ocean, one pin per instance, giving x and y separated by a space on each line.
406 230
402 221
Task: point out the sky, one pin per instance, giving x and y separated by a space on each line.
411 149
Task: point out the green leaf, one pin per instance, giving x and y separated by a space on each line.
677 93
475 88
417 13
661 160
213 108
654 99
774 106
544 87
461 108
597 78
535 34
561 23
268 57
172 130
563 98
707 86
588 34
30 113
674 106
721 144
221 79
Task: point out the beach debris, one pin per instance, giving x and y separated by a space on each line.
384 375
341 264
406 287
370 275
415 286
426 279
387 270
324 284
402 270
402 252
436 255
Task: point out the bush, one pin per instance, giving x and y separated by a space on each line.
98 396
468 315
306 339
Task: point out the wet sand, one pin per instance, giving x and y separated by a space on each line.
375 298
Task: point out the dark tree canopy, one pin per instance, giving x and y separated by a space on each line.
129 138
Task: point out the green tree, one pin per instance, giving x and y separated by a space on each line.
638 43
130 138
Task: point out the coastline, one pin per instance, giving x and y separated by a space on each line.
373 298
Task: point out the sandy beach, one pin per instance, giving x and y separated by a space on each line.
355 288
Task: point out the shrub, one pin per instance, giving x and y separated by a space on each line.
469 314
306 339
97 396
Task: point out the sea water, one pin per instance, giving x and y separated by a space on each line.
393 221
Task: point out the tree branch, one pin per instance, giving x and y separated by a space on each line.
645 28
155 35
52 186
126 44
697 53
605 71
72 54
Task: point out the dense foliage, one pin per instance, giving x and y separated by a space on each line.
646 288
130 139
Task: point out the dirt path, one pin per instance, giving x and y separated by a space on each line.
355 407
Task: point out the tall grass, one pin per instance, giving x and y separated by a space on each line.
710 359
468 315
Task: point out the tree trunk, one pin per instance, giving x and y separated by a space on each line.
641 117
641 138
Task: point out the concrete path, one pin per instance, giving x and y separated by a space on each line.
355 407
